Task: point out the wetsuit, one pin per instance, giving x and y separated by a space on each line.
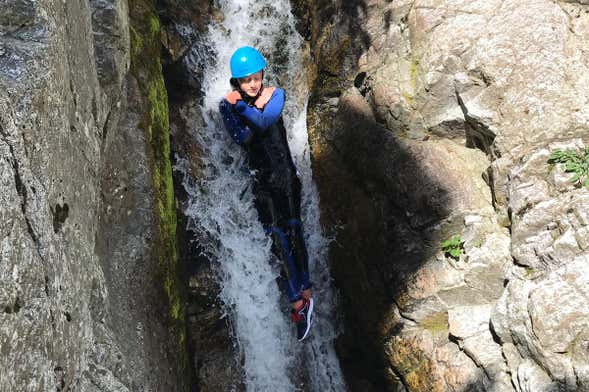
276 188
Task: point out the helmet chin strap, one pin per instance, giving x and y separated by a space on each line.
246 98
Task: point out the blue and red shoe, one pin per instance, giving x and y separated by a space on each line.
303 317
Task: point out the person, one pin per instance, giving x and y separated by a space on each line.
252 114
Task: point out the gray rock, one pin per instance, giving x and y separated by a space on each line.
546 319
467 321
458 368
65 322
530 377
437 80
110 28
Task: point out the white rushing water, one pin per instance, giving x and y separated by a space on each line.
222 215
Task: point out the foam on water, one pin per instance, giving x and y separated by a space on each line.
222 215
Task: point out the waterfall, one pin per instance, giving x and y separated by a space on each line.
222 215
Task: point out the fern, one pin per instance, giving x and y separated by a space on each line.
573 162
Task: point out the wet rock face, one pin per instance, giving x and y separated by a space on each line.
443 126
214 357
80 304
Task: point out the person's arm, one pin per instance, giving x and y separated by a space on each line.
240 133
271 113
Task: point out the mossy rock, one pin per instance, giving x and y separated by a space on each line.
413 366
147 69
435 323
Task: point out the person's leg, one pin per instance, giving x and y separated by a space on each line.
296 234
303 309
286 198
269 216
300 255
283 251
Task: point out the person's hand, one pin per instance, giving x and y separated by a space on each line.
233 97
264 97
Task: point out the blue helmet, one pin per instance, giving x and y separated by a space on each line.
246 61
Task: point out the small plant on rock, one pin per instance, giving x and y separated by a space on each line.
573 162
452 247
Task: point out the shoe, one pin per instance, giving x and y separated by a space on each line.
303 317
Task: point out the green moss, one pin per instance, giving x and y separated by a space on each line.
154 25
407 97
147 70
414 75
136 42
438 322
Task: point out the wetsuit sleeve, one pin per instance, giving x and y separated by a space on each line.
271 113
240 132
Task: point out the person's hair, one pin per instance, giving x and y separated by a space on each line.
234 83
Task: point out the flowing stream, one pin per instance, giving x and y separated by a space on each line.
222 215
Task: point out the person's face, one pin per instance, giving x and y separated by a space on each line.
252 84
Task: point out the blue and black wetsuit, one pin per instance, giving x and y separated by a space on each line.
276 188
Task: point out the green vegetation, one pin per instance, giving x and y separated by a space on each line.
573 162
414 72
453 246
409 96
146 68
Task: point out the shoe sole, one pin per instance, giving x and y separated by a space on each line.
309 320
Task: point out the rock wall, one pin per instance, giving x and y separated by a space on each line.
428 119
215 358
431 119
89 294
